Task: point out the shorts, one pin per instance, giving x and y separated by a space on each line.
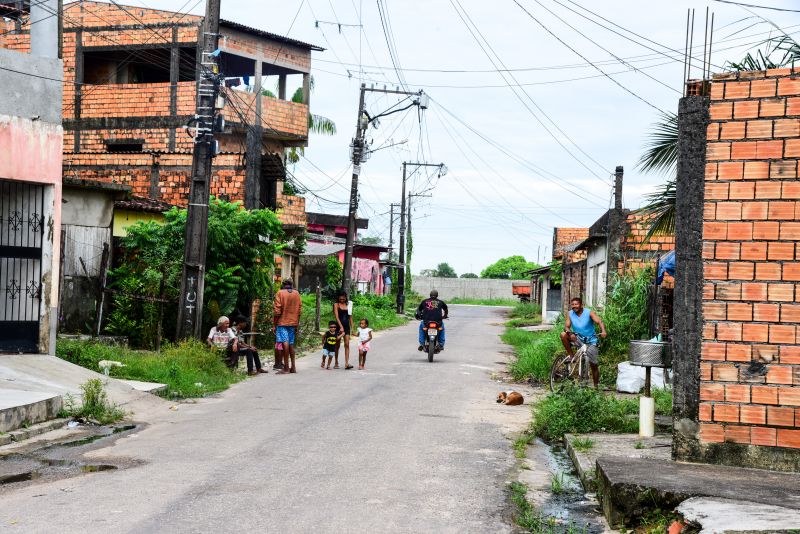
328 353
363 347
285 334
592 351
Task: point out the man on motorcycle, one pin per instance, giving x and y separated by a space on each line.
431 309
582 322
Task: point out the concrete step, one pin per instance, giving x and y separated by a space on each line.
19 408
28 432
148 387
628 487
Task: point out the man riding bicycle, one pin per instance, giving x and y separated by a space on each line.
582 322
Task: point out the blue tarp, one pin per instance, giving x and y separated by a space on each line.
666 264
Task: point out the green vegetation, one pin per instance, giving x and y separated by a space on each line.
484 302
582 444
521 444
638 445
510 268
657 521
95 406
189 369
239 257
558 484
534 522
525 314
469 275
535 352
576 410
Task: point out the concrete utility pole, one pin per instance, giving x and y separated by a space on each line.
391 227
358 154
616 221
401 272
190 303
361 153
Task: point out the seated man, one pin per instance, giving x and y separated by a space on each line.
582 322
431 309
223 338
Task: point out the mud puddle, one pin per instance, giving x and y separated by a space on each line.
62 458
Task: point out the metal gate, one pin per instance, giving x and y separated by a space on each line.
21 237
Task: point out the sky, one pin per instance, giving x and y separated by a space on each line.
529 130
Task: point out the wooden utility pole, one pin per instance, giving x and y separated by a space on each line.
401 270
361 153
616 221
190 302
358 154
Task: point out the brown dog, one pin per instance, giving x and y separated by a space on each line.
511 398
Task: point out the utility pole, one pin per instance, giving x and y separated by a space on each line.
401 271
361 153
190 303
616 220
391 227
358 153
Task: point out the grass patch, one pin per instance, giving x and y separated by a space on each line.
521 444
94 407
582 444
189 369
558 483
484 302
577 410
531 520
638 445
535 352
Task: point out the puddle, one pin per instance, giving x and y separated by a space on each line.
61 459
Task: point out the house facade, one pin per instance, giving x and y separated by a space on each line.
31 141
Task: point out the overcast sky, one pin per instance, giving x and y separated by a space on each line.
506 190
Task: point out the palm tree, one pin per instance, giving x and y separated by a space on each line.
661 149
316 123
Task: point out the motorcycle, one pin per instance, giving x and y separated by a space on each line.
432 329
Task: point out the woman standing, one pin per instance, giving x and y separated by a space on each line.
344 321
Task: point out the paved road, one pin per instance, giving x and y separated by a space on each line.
405 446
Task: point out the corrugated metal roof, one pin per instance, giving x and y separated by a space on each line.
322 249
268 35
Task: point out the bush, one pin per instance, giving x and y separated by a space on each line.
577 410
95 405
535 352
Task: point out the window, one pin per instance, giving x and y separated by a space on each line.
124 145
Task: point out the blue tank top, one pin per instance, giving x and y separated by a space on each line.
583 325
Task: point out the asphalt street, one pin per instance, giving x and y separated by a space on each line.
404 446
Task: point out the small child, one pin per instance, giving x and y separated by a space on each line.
364 337
329 341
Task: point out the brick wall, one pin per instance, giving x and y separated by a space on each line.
636 254
750 361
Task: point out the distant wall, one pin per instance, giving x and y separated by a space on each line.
479 288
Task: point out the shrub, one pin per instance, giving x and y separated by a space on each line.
95 405
527 310
582 410
535 352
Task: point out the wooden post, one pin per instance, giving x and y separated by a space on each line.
647 381
318 310
159 328
101 286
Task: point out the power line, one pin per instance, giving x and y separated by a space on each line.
544 27
759 7
513 90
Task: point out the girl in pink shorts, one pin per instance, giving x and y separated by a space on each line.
364 337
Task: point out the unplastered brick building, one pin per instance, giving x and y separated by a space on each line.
130 91
746 402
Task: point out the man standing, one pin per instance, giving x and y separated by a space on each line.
582 322
287 317
431 309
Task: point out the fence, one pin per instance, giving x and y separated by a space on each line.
477 288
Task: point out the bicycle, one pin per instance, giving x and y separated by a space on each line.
573 367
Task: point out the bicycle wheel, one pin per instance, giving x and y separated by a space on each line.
561 371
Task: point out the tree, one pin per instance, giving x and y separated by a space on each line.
511 267
370 240
469 275
443 270
240 257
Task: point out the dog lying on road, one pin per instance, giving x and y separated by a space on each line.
511 398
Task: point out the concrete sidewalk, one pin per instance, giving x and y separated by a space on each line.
42 380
